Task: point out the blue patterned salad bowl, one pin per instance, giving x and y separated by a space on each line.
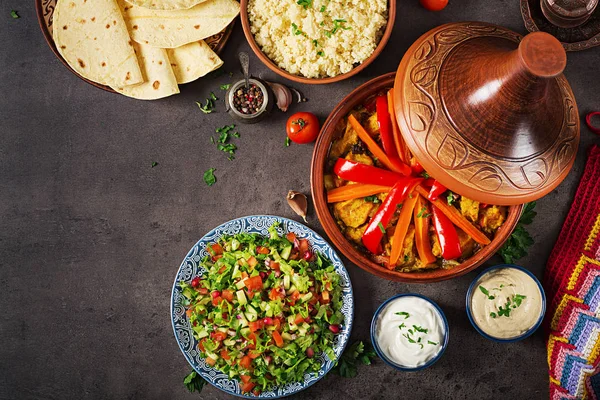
190 267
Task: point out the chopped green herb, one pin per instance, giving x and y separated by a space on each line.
287 142
213 97
230 74
486 293
425 175
410 340
315 43
420 329
403 314
493 315
406 258
423 213
450 198
372 199
154 164
14 14
208 108
212 140
305 3
518 299
295 29
320 53
209 177
226 86
235 134
399 206
225 128
433 343
402 325
227 148
381 227
323 8
194 382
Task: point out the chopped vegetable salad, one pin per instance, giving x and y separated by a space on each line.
265 309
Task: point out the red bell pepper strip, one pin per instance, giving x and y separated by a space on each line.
362 173
376 228
447 235
437 189
385 127
417 168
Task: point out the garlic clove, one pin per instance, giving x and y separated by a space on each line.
298 202
283 95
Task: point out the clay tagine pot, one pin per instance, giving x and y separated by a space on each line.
487 112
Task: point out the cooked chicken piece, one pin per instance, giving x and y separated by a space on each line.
353 213
329 181
436 249
491 218
343 145
355 234
359 158
371 125
469 208
467 244
407 256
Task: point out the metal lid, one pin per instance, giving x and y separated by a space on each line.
487 112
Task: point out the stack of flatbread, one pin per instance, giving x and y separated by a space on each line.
141 48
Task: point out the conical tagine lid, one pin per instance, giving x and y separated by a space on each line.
487 112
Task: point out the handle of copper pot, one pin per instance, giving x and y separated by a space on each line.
588 121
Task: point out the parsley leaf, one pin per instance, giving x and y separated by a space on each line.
305 3
518 299
226 86
213 97
14 14
287 142
323 8
425 175
423 213
320 53
493 315
209 177
194 382
381 228
358 352
420 329
402 325
451 198
433 343
517 244
295 30
207 108
403 314
154 164
486 292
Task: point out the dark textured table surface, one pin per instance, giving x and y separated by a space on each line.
91 236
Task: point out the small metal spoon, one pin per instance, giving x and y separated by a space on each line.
245 61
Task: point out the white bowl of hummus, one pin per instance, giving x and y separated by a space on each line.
409 332
506 303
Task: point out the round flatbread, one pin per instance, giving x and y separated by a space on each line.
92 38
159 79
166 4
170 29
193 60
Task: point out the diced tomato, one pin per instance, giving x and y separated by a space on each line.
325 299
211 361
275 294
254 354
303 247
274 266
256 392
217 257
201 345
203 290
252 262
216 301
313 300
278 339
251 341
245 378
246 362
227 295
225 355
247 387
298 319
262 250
256 325
277 324
215 293
222 269
216 248
254 283
189 312
218 336
291 236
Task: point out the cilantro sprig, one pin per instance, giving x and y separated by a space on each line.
517 244
194 382
372 199
209 176
358 353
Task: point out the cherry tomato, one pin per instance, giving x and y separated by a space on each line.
302 127
434 5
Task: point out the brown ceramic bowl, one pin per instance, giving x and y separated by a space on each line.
316 81
328 132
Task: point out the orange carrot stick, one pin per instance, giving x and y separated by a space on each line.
457 218
355 191
406 215
374 148
401 146
422 214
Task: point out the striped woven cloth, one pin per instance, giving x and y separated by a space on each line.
572 285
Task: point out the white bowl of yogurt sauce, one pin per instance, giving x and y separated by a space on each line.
506 303
409 332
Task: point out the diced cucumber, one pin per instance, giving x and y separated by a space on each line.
200 332
286 282
286 336
243 321
212 355
291 290
236 272
235 244
240 284
250 309
302 331
306 297
241 296
285 253
251 317
229 342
